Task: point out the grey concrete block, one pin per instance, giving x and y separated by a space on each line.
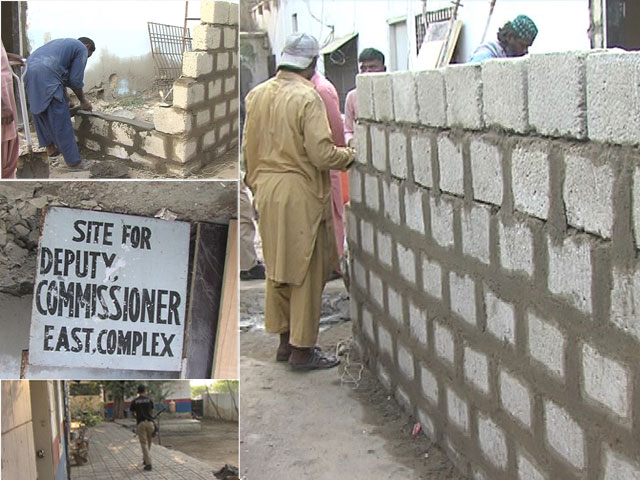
362 145
371 195
613 104
463 297
405 103
476 369
364 90
493 442
557 94
391 198
432 103
441 221
475 232
606 381
617 467
531 185
516 247
457 410
418 324
500 317
383 96
504 94
564 435
429 385
421 159
486 171
413 210
451 164
398 154
378 147
515 398
547 344
570 272
625 301
464 96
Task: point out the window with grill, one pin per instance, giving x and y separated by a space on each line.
441 15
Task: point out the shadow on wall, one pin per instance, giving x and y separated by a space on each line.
120 76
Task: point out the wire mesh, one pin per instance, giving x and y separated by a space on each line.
166 49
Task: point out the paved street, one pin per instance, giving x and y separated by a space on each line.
115 454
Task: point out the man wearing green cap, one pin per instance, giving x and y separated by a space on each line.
514 40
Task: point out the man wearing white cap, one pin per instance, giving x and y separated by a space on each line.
288 150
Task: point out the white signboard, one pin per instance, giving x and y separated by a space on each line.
110 291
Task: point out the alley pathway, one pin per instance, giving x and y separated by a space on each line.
115 454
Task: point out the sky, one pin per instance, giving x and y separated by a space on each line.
120 26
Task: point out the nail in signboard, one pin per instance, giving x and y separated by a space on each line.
110 291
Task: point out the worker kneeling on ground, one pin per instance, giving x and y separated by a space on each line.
50 70
289 151
514 39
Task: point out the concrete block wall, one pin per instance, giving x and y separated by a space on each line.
494 258
202 123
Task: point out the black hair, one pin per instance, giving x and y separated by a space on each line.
88 41
142 389
371 54
505 32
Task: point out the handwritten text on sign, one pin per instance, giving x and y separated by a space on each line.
110 291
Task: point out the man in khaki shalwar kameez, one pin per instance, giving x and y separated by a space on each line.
288 150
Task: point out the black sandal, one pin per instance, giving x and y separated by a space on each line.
318 361
283 357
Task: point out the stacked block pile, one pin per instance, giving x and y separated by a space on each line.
494 231
202 123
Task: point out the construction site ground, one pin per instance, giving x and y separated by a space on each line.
311 425
115 453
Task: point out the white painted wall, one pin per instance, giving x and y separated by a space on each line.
562 24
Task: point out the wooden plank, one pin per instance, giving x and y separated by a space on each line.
225 357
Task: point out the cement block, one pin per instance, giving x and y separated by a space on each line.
385 341
432 102
222 61
413 210
215 88
118 151
233 108
527 470
197 64
451 164
394 302
352 229
463 296
570 272
224 130
441 221
486 171
171 120
493 442
92 145
123 133
98 126
431 277
187 93
516 247
475 232
230 37
355 186
429 385
564 435
617 467
153 143
613 106
391 198
384 377
184 149
421 156
500 317
209 139
398 154
150 163
378 148
362 145
588 195
215 12
403 399
405 362
203 117
516 398
418 324
230 84
547 344
504 94
457 410
371 193
427 424
407 263
206 37
530 179
385 254
464 96
476 369
376 289
234 12
553 111
364 90
183 170
366 237
382 96
359 275
404 97
367 325
443 342
625 301
606 381
220 111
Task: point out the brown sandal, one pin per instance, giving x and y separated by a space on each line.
318 361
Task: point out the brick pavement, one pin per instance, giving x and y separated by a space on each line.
115 454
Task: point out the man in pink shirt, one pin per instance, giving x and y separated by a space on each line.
371 60
329 96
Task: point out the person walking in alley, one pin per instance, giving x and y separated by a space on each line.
514 39
52 68
142 409
288 152
371 61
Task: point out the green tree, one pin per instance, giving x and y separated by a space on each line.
225 386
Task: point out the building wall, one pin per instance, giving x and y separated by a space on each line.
18 451
226 405
494 232
565 29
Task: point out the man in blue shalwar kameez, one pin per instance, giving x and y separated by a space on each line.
50 70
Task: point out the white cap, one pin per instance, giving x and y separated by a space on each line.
299 51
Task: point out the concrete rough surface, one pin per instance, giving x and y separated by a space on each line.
515 398
421 159
404 97
458 410
379 148
443 341
564 435
530 179
431 93
383 94
364 89
475 232
570 272
505 94
486 171
398 154
500 318
441 221
606 381
516 247
492 442
464 96
451 165
547 344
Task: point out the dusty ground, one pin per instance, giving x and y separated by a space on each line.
309 425
216 444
